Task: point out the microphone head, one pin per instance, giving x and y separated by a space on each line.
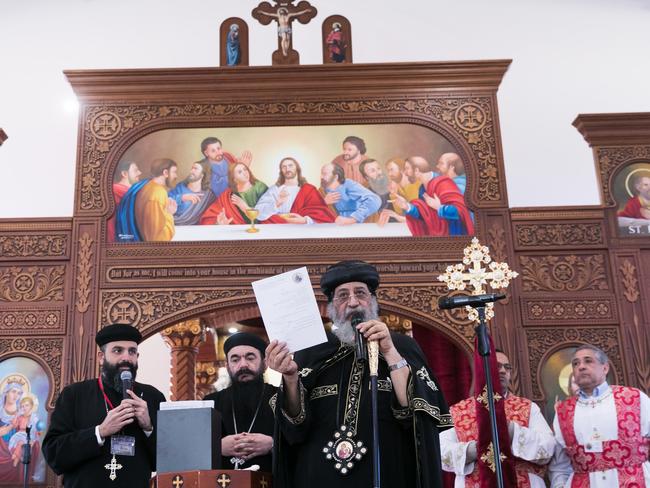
126 375
444 303
356 318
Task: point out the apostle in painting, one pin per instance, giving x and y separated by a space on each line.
440 209
146 211
192 196
353 202
96 438
451 165
638 206
218 161
246 406
324 404
127 174
354 153
292 200
243 193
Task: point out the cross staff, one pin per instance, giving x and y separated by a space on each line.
284 13
476 276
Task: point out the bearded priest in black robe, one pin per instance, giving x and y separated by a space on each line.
96 438
324 403
246 407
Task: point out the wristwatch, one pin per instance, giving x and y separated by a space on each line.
399 364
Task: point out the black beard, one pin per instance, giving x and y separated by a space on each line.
111 373
246 397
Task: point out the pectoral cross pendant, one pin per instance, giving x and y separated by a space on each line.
113 467
237 461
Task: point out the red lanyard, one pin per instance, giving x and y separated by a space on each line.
106 399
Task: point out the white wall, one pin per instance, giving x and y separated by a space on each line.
569 57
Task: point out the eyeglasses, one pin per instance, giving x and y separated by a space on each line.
344 296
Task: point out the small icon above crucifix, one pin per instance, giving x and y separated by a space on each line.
284 13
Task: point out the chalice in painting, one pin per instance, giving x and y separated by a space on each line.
252 214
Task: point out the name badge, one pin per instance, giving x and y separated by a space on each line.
123 445
594 446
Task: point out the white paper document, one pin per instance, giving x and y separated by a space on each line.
289 309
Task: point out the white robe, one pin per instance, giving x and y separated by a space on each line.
266 203
534 443
599 419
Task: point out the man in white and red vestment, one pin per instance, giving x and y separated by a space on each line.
603 433
531 439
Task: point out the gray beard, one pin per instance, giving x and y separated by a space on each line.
342 327
380 185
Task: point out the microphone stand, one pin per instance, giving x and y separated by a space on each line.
373 364
26 458
484 350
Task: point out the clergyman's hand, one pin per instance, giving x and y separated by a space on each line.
253 445
140 410
278 358
116 419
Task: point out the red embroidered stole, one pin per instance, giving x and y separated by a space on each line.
517 409
625 454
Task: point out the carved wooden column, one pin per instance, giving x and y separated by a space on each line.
184 339
398 324
207 367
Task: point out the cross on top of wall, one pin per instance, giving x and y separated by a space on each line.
284 13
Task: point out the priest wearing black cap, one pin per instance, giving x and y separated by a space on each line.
100 436
246 406
324 404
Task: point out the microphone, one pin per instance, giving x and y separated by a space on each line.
360 341
127 383
446 303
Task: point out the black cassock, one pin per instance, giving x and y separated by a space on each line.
245 407
336 392
70 446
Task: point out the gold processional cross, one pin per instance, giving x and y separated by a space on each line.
477 276
284 13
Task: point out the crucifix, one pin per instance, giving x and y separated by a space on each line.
113 467
284 13
178 481
3 136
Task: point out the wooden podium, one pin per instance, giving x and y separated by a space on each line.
215 478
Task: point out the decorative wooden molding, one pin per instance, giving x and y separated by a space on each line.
614 129
84 269
157 85
610 159
639 340
562 273
22 246
398 324
32 283
558 312
629 281
532 236
50 320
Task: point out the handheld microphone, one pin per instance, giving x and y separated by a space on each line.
446 303
360 341
127 383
